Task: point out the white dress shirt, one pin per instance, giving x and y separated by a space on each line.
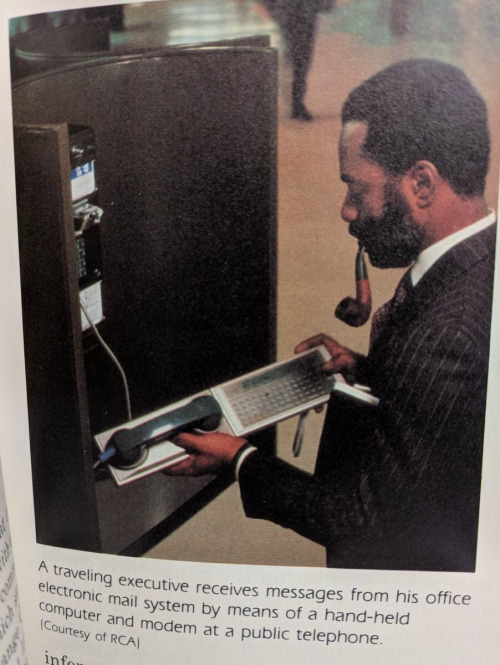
430 255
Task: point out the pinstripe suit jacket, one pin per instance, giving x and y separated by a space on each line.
398 488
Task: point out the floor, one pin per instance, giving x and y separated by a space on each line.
315 253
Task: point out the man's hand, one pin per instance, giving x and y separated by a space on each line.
342 360
208 453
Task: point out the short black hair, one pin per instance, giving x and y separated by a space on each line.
424 109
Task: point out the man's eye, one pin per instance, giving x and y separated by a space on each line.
355 198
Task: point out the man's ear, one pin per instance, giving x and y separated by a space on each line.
422 182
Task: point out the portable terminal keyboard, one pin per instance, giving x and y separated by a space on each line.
279 391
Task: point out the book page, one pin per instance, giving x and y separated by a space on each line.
12 645
220 586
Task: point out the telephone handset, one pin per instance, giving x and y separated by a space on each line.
127 446
239 407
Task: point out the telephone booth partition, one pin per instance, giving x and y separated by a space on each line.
185 167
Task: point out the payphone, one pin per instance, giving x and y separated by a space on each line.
87 217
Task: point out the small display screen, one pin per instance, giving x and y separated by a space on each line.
83 180
265 378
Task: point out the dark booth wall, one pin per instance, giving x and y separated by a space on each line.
186 161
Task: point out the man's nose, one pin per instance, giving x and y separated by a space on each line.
348 212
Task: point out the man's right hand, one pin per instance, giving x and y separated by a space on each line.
209 453
342 361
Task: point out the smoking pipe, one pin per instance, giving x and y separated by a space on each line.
356 311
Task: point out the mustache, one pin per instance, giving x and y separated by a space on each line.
391 241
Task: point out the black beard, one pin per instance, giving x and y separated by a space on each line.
392 240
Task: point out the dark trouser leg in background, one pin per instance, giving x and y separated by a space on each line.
299 31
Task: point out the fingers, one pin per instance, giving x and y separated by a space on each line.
208 453
334 349
341 361
192 443
213 444
198 461
311 342
186 467
337 361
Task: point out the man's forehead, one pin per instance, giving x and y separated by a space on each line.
352 137
355 164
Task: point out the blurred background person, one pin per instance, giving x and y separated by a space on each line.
298 22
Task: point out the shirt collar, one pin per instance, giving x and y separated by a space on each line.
431 254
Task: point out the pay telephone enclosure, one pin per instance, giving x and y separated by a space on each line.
156 224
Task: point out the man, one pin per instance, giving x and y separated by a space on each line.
399 488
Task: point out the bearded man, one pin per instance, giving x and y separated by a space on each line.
398 488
